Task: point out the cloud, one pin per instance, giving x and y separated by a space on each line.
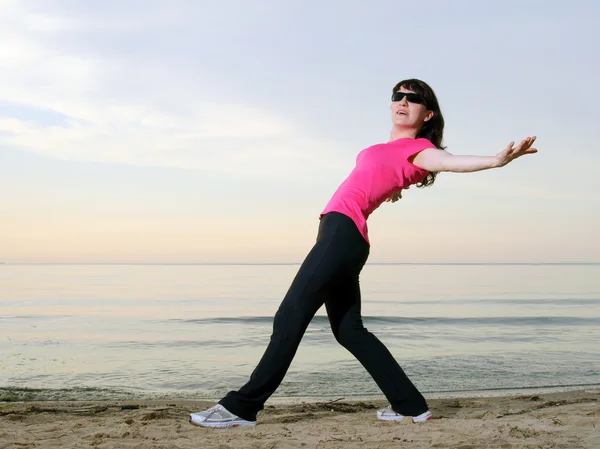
40 116
68 90
264 150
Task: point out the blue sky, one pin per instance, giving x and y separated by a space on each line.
216 131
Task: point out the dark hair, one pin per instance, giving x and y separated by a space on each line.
433 130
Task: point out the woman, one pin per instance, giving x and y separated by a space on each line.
329 274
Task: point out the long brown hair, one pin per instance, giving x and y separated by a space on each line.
433 129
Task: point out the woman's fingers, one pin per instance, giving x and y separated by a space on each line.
524 146
511 152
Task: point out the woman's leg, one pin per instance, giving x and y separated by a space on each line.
305 296
343 309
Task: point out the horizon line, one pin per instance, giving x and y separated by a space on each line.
297 263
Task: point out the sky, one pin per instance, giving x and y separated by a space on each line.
209 131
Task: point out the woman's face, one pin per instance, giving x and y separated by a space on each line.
408 112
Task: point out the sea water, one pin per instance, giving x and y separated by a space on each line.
82 332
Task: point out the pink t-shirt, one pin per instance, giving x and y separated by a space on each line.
380 170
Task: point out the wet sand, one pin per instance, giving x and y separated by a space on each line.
554 420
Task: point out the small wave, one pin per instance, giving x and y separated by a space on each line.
419 321
32 317
512 301
19 394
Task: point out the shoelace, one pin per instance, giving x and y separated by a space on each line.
214 409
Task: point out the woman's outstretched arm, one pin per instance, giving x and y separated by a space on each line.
435 160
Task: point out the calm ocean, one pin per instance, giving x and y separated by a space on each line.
82 332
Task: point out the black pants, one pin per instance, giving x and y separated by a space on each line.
328 275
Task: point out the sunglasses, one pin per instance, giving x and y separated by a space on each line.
411 97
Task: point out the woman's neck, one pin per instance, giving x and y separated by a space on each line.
402 133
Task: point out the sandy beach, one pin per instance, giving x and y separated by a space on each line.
553 420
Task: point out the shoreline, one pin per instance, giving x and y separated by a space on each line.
25 395
568 419
466 394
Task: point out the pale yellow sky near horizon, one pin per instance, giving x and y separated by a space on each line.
189 134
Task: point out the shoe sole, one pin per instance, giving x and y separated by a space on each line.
221 425
391 418
429 418
401 418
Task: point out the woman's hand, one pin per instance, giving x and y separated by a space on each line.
511 153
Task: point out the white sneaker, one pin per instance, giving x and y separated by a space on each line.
218 416
388 414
